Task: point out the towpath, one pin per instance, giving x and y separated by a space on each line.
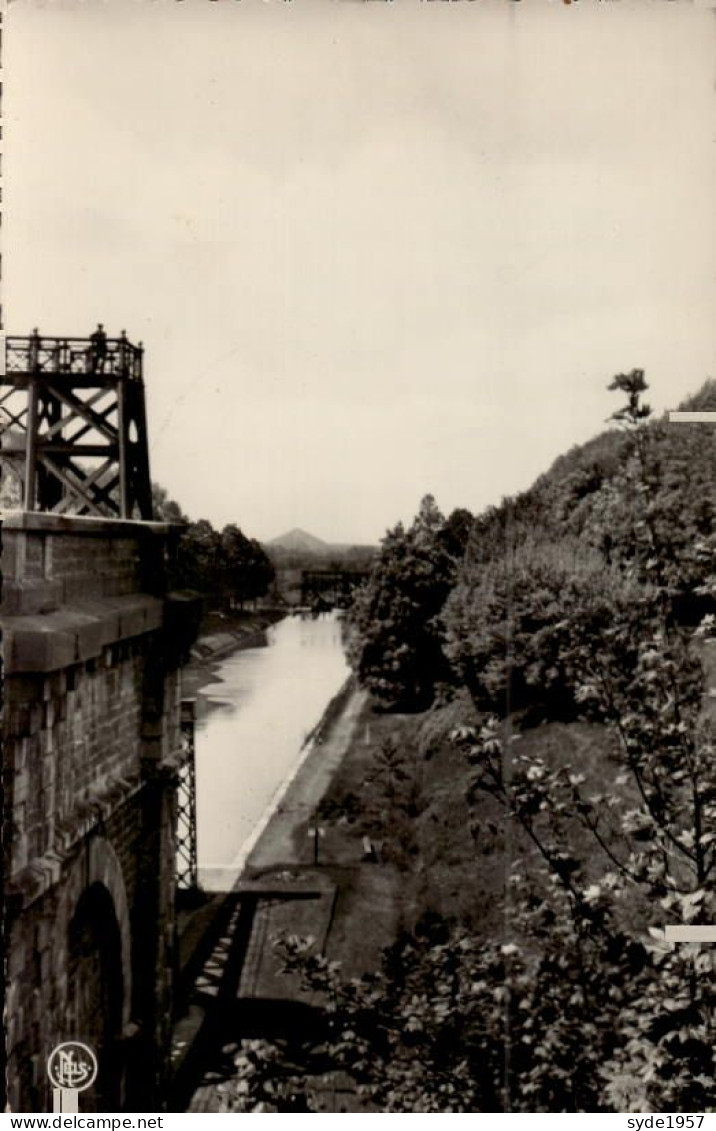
281 842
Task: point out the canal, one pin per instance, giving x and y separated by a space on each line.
253 720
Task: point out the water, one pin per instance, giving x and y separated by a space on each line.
251 727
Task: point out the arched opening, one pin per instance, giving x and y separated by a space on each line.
96 992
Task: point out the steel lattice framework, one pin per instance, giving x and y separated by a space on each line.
73 425
187 871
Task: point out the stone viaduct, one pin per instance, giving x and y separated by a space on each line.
93 753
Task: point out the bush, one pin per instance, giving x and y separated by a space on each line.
520 629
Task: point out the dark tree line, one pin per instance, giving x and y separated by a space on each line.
492 602
226 566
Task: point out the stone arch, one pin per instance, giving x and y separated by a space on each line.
96 990
103 867
99 968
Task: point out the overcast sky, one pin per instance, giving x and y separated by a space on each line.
372 249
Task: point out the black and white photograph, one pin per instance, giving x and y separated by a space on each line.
358 520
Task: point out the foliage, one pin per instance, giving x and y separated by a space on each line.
396 642
393 799
225 565
652 847
454 1023
516 627
455 532
246 572
165 509
625 659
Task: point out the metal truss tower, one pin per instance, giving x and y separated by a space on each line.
73 425
187 866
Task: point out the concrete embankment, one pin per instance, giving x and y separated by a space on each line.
220 638
278 844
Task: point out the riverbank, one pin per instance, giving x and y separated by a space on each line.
280 845
386 793
220 636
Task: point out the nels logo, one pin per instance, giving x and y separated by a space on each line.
72 1065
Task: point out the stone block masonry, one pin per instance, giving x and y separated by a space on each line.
92 649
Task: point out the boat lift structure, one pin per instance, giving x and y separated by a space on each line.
73 426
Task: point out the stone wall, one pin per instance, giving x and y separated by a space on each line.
92 650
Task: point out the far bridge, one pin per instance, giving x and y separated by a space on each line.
330 588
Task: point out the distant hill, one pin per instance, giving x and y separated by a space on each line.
298 550
299 541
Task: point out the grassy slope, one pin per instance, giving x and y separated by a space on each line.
441 856
370 908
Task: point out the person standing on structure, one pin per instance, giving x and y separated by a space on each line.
98 350
33 351
123 352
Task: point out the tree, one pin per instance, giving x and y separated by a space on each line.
236 555
247 572
396 645
165 509
512 624
227 566
455 533
198 558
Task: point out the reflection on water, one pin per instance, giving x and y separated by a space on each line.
251 726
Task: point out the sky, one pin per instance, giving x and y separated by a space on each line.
373 250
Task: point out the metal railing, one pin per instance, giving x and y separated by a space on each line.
95 355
